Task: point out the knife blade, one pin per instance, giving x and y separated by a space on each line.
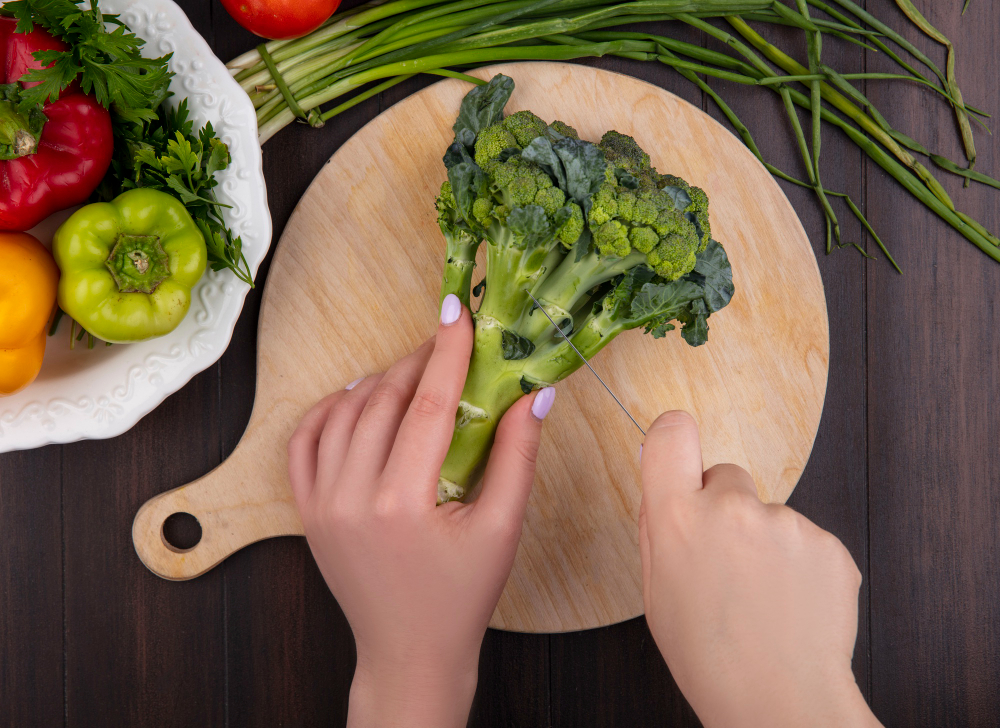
584 359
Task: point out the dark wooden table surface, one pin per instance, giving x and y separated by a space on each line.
904 471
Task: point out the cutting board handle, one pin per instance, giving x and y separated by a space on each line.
244 500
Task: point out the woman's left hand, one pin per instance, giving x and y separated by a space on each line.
417 582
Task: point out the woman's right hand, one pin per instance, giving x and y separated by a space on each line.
753 606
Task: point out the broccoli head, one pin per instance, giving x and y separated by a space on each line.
636 210
602 241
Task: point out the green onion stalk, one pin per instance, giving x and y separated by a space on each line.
361 52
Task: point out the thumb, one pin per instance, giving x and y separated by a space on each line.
510 471
671 458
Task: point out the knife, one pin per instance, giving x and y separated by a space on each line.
584 359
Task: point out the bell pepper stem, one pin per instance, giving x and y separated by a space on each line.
138 263
20 130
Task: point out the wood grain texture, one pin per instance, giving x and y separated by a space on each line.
173 640
757 388
31 611
287 654
934 355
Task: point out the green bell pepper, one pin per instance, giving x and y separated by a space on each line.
128 266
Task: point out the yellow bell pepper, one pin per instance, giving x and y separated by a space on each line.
29 280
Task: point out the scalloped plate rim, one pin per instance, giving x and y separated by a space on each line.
174 375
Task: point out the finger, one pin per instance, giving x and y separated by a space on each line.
644 556
427 427
671 457
335 441
303 448
729 477
376 429
510 471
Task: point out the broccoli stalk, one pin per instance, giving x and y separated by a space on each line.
602 240
461 245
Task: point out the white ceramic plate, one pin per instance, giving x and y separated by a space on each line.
93 394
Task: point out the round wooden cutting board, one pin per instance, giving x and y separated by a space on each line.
354 287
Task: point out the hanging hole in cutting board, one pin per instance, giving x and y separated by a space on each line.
181 532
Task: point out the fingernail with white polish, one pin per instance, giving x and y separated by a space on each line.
543 402
451 309
355 383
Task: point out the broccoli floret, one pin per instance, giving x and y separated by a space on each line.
646 211
482 208
624 152
524 126
673 256
518 181
603 241
670 221
571 230
550 199
699 208
605 204
445 202
564 129
668 236
612 238
643 239
669 180
491 142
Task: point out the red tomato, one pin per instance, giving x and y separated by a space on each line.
281 19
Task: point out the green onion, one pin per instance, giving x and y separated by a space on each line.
359 53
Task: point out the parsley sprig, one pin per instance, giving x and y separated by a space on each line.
106 62
167 155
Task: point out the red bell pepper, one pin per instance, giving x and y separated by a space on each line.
52 157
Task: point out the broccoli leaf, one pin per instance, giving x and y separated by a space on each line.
479 289
690 300
695 320
680 197
658 304
482 107
577 167
618 300
530 225
515 346
456 154
526 386
660 330
626 179
584 163
713 264
467 181
693 219
562 215
540 152
664 301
